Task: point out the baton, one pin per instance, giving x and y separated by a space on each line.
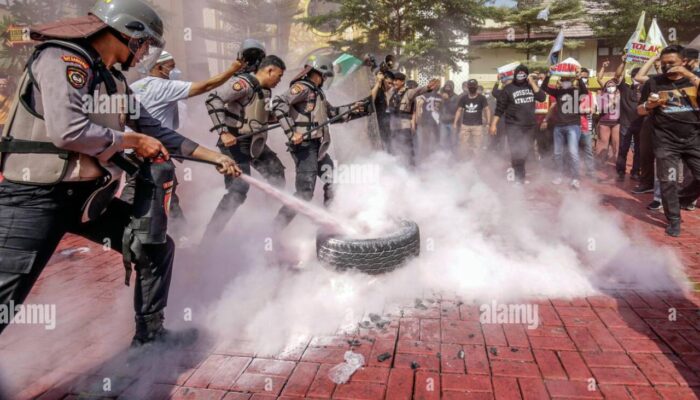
251 134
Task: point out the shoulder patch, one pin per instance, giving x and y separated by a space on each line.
77 77
239 85
75 60
297 88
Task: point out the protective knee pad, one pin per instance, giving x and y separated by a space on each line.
305 185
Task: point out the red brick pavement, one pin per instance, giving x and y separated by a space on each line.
620 345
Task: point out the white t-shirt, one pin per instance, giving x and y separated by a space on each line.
160 97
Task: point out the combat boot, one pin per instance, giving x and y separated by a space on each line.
150 331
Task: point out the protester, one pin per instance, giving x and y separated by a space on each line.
630 123
609 122
587 107
384 81
450 104
567 125
646 152
428 115
516 104
671 100
472 112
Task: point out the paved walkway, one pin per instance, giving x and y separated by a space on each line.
621 345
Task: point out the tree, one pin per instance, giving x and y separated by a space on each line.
678 19
525 19
420 32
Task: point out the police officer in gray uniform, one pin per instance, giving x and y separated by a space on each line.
301 110
401 108
241 107
57 155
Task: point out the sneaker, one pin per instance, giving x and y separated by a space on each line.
674 228
575 184
655 205
643 189
688 207
556 181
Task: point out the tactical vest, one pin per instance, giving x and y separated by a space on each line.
254 116
28 156
401 109
315 113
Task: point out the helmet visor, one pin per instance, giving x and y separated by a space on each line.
146 53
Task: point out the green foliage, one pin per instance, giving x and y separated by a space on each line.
678 19
421 32
524 19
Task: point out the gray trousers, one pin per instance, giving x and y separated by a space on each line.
308 168
33 219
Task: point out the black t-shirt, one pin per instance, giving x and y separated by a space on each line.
678 120
629 98
517 103
567 100
432 107
473 109
449 109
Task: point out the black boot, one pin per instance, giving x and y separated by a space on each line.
674 227
150 331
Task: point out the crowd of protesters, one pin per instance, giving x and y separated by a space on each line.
642 122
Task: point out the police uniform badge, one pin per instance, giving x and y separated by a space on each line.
296 89
238 86
77 77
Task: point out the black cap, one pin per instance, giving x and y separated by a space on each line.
472 83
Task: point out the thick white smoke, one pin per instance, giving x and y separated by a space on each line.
482 239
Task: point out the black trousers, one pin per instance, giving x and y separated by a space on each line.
519 142
646 154
308 168
267 164
668 154
33 219
402 144
627 133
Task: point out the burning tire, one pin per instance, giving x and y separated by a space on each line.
371 256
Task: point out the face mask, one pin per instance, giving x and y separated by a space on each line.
584 80
566 84
611 89
539 82
175 74
520 76
472 90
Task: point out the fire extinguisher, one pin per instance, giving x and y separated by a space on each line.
155 181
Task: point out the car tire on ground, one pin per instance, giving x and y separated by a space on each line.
371 256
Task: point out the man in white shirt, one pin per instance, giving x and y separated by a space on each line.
161 90
159 93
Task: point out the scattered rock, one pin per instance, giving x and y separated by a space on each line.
460 354
471 335
354 342
414 365
493 351
383 357
375 318
419 304
514 349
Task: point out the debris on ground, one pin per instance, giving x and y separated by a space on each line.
342 372
383 357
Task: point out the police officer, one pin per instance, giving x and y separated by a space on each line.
241 108
401 108
301 110
55 155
